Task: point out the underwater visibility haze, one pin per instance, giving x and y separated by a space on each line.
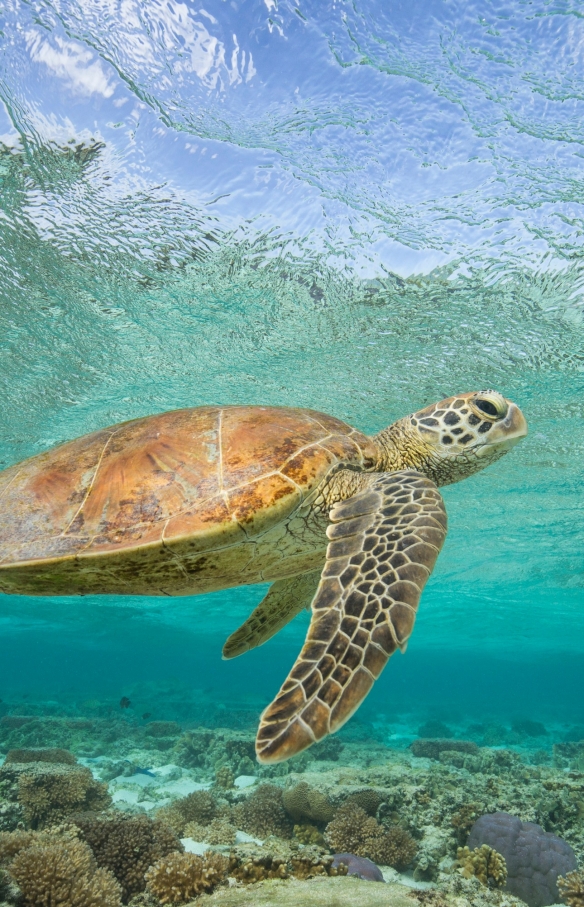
358 208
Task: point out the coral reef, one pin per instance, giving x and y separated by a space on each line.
358 866
12 842
436 729
49 792
63 873
304 802
309 834
262 813
368 799
534 858
432 748
224 777
219 831
209 749
127 846
162 729
571 888
198 808
353 831
279 860
180 877
53 755
488 866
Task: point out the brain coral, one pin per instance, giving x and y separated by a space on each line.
127 846
534 858
63 873
180 877
304 802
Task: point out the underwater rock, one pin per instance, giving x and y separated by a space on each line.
535 858
127 846
528 728
180 877
431 748
322 891
359 866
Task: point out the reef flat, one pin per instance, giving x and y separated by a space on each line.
138 801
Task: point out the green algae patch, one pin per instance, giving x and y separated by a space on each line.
320 892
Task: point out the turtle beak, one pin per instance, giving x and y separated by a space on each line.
505 434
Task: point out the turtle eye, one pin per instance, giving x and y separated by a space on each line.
492 405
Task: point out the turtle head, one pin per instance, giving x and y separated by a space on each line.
454 438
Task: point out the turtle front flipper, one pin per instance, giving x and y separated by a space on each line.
383 545
284 600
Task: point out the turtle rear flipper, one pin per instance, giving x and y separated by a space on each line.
383 545
283 601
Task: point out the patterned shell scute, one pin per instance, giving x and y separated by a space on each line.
210 474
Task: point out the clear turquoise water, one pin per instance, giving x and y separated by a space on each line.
356 207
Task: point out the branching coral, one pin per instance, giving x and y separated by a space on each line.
127 846
488 866
219 831
12 842
199 808
353 831
262 813
304 802
63 873
180 877
224 777
309 834
394 847
571 888
50 793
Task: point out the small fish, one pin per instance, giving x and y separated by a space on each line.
125 703
145 716
140 771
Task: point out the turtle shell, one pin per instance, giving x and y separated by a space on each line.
149 491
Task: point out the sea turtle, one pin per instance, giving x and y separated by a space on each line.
201 499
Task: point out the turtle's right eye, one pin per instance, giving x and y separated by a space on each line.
491 404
